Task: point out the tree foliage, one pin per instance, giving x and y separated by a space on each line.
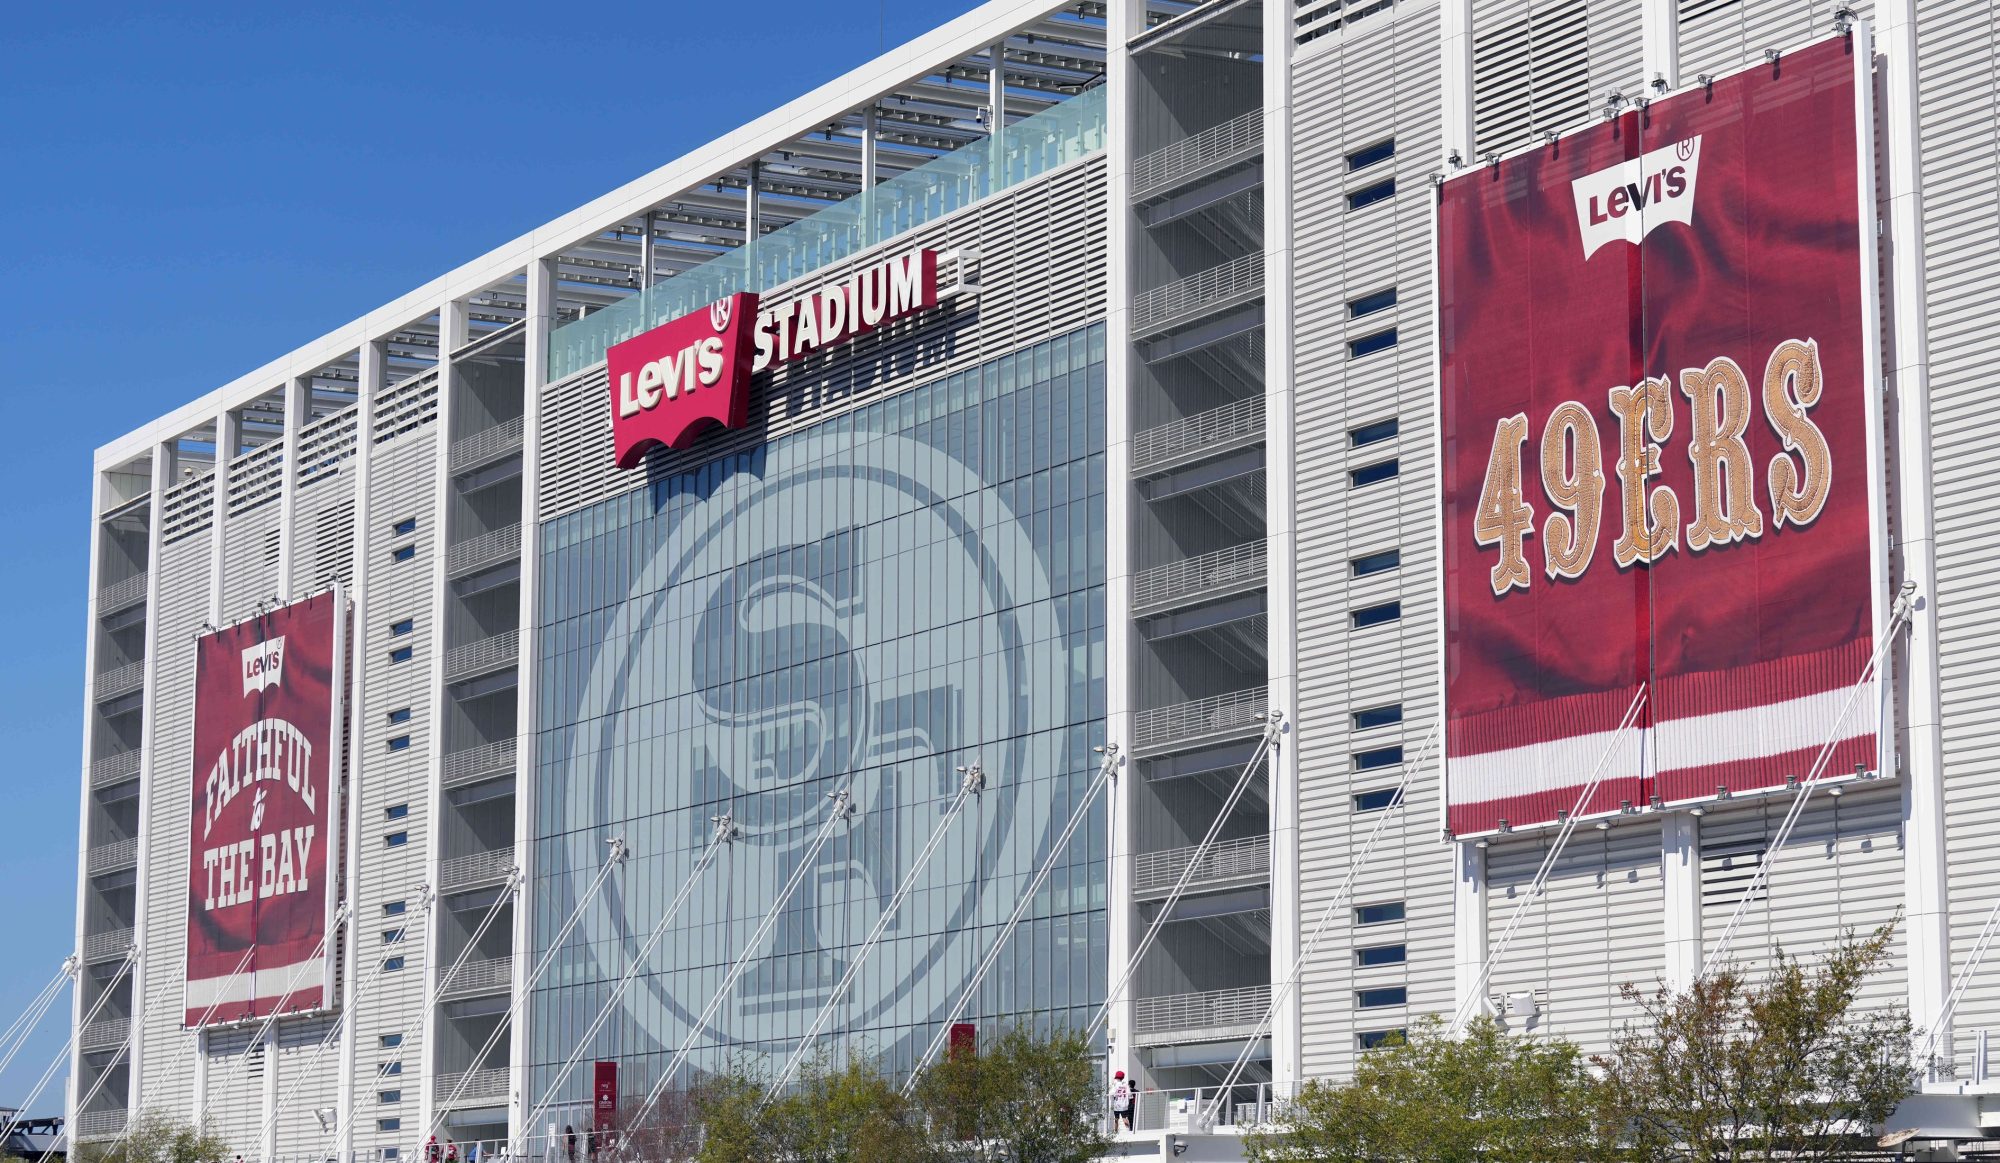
1023 1098
1433 1098
1784 1067
157 1137
830 1114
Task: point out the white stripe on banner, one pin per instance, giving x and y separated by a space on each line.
266 983
1697 741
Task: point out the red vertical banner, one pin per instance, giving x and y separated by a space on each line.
604 1105
265 823
1661 452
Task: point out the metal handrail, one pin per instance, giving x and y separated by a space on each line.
1237 567
475 867
114 768
495 653
120 594
1250 856
104 1033
1239 423
488 444
482 1085
113 856
1215 1009
122 680
1237 139
1238 712
107 945
472 764
486 976
1186 299
502 544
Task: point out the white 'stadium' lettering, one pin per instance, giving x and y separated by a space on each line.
1625 202
876 294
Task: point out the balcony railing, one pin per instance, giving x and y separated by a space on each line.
487 549
1221 716
488 654
1231 570
492 975
1056 136
1236 140
1248 858
487 444
114 768
474 868
1185 300
100 1124
472 764
120 594
107 946
487 1085
122 680
104 1034
112 857
1215 431
1216 1012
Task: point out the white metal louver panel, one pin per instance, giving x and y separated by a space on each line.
1377 81
183 607
1541 66
1958 44
235 1070
249 562
1721 36
1040 272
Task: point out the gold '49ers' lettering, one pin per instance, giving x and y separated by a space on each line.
1504 519
1725 507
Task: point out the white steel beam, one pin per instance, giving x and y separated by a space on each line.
1680 881
373 368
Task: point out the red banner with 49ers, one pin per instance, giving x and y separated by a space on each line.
265 823
1663 563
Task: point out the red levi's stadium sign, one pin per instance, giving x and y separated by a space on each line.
1662 480
675 380
261 885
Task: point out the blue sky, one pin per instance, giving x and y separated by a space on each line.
185 194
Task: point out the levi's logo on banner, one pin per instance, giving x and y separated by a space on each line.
675 380
1664 562
263 665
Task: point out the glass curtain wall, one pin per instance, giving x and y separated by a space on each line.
869 605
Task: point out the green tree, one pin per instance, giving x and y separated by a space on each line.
1786 1067
1023 1098
830 1114
157 1137
1433 1098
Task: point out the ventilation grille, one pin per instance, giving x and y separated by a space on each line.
256 477
326 443
188 507
406 407
1313 19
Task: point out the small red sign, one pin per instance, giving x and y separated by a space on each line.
604 1108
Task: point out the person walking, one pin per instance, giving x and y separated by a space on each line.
1121 1102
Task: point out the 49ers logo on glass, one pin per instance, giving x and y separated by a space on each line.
675 380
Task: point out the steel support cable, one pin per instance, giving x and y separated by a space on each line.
1056 850
726 831
1905 604
31 1017
291 986
1272 729
973 783
62 1055
1958 986
1475 996
520 996
146 1097
121 1054
841 810
1340 898
333 1031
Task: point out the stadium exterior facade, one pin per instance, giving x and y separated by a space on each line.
1153 465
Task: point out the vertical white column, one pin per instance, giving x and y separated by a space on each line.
1680 879
868 177
1455 78
1123 19
1926 903
996 105
1280 509
453 333
1660 45
228 436
374 370
753 229
162 477
268 1143
298 406
1468 920
540 322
